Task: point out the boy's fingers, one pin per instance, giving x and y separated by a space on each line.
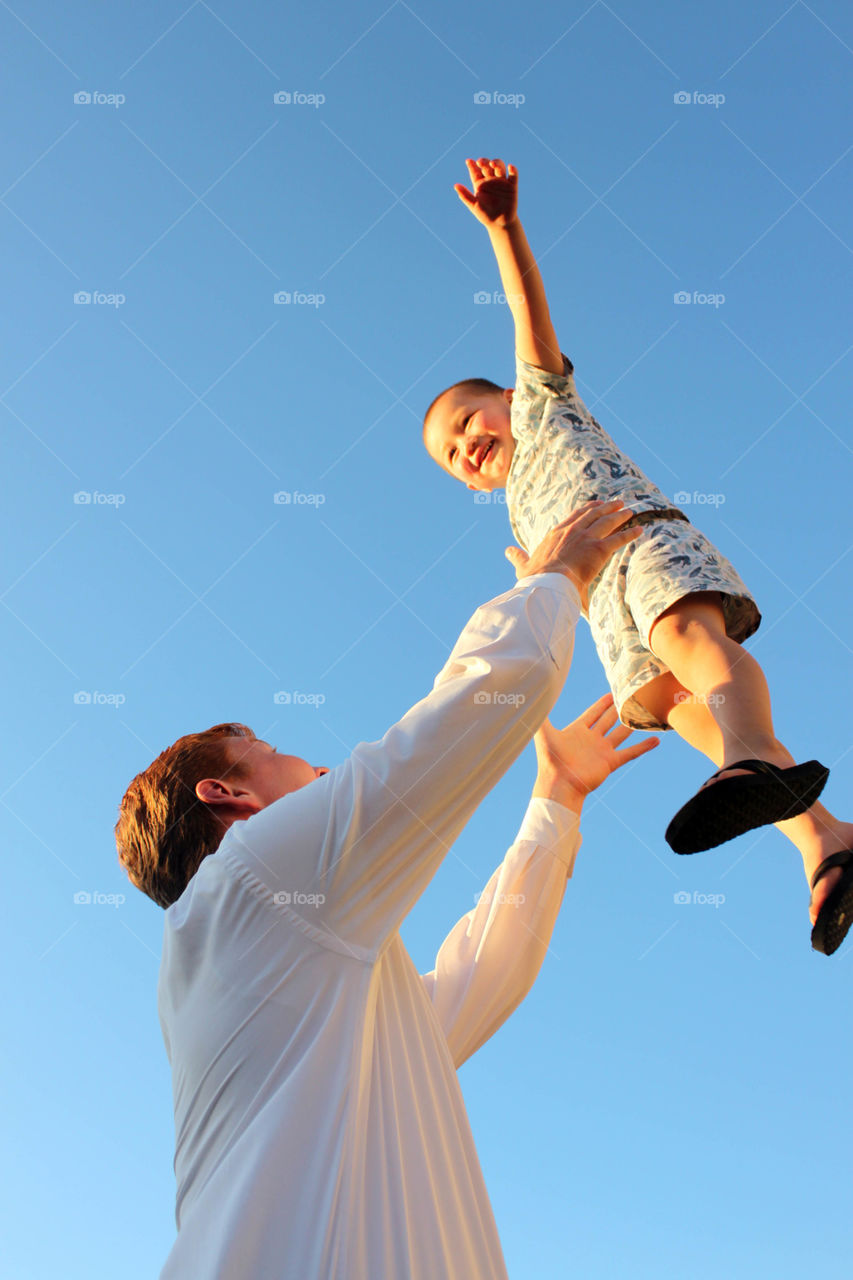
464 194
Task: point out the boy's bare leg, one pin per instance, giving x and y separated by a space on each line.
816 833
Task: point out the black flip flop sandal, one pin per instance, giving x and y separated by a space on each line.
735 805
836 914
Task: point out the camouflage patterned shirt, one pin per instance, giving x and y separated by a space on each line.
563 457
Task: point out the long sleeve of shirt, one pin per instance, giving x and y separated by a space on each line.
353 851
491 958
320 1129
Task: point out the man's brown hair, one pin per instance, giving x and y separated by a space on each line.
164 831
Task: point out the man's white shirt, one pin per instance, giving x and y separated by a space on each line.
320 1130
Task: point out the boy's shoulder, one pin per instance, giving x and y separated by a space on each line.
538 390
530 380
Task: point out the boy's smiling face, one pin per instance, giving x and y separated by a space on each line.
468 434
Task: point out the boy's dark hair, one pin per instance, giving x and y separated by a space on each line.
164 831
470 384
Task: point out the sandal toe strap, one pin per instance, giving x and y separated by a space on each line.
839 859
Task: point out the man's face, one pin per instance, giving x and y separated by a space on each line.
271 775
468 435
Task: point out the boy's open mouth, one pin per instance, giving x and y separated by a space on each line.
483 453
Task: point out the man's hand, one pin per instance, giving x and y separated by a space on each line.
494 201
575 760
579 546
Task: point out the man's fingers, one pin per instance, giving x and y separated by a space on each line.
620 538
590 513
579 511
606 723
638 749
604 522
589 717
516 556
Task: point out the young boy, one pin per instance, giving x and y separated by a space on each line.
668 612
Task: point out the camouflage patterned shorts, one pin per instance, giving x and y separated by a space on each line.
669 559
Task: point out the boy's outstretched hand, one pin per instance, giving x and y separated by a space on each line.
575 760
494 201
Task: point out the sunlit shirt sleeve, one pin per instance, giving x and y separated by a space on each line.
492 956
353 851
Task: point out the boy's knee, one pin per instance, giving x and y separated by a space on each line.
693 615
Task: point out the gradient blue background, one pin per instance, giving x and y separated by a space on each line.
673 1097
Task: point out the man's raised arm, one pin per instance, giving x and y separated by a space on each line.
359 845
491 958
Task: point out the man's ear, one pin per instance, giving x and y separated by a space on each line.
222 795
215 792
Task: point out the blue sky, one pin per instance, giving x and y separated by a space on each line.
667 1102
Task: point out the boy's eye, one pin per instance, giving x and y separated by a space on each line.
450 455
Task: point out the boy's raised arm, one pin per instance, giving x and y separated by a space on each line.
494 203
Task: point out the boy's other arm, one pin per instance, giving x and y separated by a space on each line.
494 204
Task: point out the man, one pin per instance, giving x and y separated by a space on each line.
320 1128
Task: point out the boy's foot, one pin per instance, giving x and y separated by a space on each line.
835 914
753 794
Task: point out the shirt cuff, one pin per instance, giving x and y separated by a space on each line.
556 828
557 582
